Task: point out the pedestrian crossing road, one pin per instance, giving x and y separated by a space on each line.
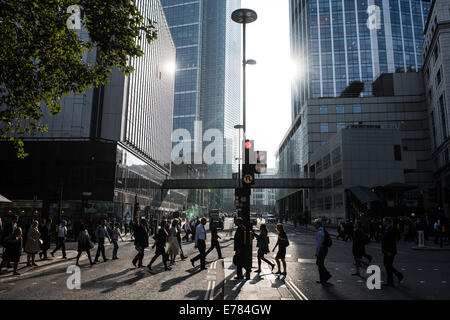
427 275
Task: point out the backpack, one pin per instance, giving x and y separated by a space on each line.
327 242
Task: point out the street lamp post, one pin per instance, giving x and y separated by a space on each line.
244 16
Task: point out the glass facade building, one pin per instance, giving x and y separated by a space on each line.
335 42
207 81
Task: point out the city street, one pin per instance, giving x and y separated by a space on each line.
427 275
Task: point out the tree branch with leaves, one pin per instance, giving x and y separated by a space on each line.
42 60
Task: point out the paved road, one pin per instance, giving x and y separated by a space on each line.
427 275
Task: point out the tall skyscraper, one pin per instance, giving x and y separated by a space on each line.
336 42
207 83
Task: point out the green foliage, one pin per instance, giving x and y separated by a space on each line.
353 90
41 59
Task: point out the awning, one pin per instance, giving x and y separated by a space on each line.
364 194
3 199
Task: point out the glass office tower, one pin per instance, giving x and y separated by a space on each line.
207 82
336 42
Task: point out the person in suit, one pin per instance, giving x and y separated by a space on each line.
46 233
160 244
214 240
360 239
240 248
140 241
389 249
200 243
100 234
61 242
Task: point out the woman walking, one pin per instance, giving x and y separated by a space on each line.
262 244
33 243
84 244
160 243
13 250
173 246
282 244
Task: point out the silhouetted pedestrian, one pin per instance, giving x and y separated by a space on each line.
200 243
100 234
84 244
214 240
322 243
61 241
140 241
389 249
262 243
160 244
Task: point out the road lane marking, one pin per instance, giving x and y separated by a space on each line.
419 269
297 292
421 281
444 282
436 269
306 261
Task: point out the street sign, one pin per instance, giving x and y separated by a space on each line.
248 179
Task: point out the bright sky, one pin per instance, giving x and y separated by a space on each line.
269 81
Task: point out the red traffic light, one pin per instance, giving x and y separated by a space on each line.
247 144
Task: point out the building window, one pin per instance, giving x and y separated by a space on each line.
438 77
324 127
443 119
397 152
434 128
436 52
340 109
327 203
337 178
327 182
326 162
338 201
323 110
340 126
356 108
319 166
336 155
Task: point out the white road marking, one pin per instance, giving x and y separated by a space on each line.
436 269
444 282
53 282
339 281
422 281
296 290
419 269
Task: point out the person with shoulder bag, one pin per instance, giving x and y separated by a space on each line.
84 244
262 243
282 244
33 243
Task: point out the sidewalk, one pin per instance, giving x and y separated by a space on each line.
263 286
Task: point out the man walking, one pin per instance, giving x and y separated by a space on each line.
389 249
200 243
182 256
62 234
322 244
240 248
101 233
214 240
140 242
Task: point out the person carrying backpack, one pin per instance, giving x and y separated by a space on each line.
323 242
